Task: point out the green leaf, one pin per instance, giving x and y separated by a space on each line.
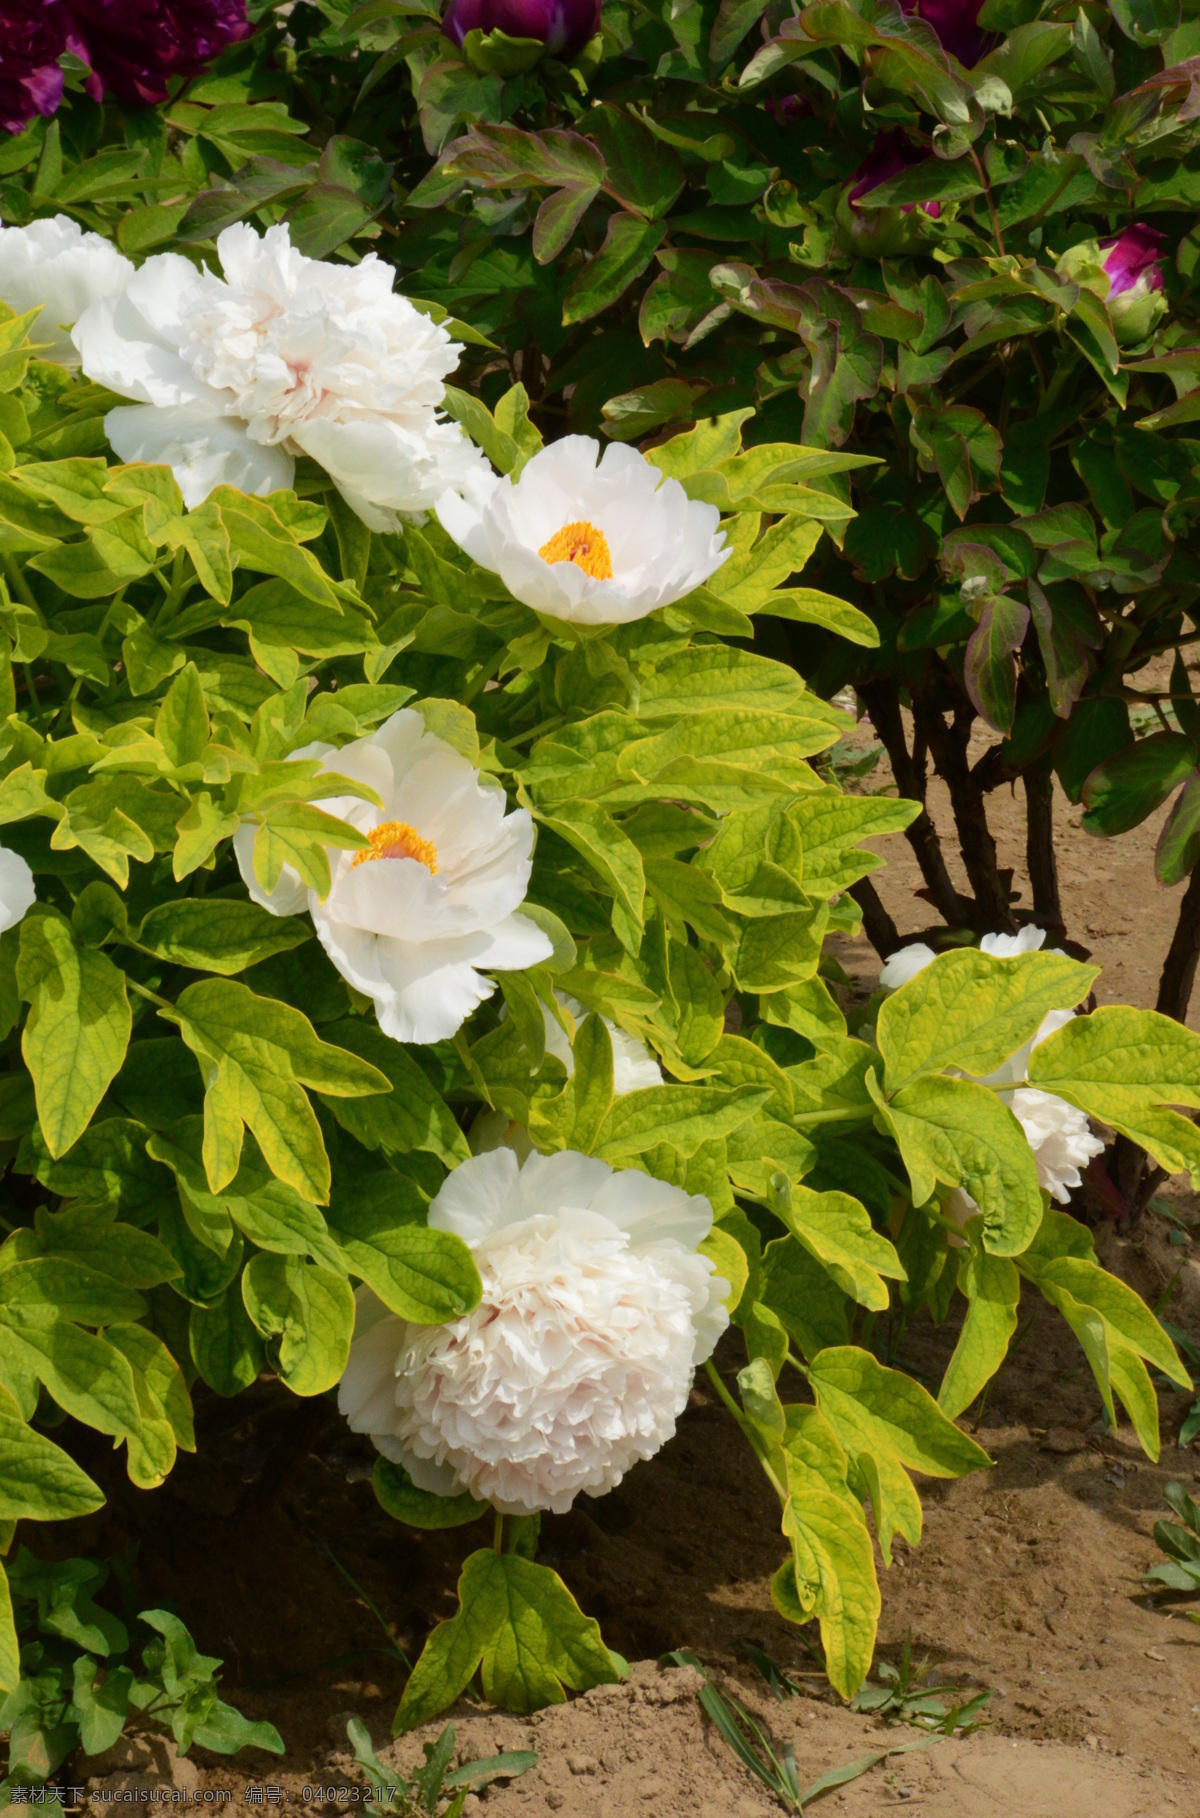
257 1054
682 1117
1123 790
837 1231
309 1311
10 1647
399 1497
628 247
887 1422
519 1623
38 1482
594 834
832 1556
215 934
413 1115
427 1277
971 1010
181 726
1123 1066
954 1131
225 1347
993 1288
78 1026
88 1378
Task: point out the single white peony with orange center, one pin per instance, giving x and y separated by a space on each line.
596 539
577 1362
413 917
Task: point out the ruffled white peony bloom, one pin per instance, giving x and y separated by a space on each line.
56 265
235 376
410 919
17 892
577 1361
599 544
905 963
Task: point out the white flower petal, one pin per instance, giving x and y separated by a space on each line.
905 963
203 452
54 264
17 890
476 1199
1006 946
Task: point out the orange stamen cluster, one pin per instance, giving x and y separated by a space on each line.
582 544
396 840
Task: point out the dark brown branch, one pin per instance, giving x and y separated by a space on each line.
1039 846
949 742
881 930
922 835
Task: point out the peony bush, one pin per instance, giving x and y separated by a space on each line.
420 879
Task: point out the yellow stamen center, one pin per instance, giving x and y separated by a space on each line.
582 544
397 840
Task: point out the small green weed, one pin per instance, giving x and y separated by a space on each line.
904 1696
437 1780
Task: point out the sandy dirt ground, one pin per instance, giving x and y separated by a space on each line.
1028 1579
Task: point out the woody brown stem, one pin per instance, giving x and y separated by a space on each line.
922 835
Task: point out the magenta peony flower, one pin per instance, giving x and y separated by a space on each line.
33 36
890 154
1131 259
136 46
956 23
563 26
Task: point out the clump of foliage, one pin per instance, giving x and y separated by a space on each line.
1180 1541
82 1679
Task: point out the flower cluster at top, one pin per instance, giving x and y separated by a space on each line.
133 48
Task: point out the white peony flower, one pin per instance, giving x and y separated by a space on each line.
599 544
235 376
905 963
410 919
17 892
577 1361
56 265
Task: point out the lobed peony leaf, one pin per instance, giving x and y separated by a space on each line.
78 1026
992 1287
519 1625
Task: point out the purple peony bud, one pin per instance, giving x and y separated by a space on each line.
1131 259
890 154
785 110
33 36
956 23
136 46
563 26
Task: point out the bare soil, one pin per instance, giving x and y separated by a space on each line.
1028 1578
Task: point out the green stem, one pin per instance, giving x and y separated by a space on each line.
179 585
498 1533
151 996
747 1427
371 1605
856 1114
487 673
20 585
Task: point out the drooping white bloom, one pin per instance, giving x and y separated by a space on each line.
55 265
905 963
17 892
410 919
578 1360
599 542
1060 1136
235 376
